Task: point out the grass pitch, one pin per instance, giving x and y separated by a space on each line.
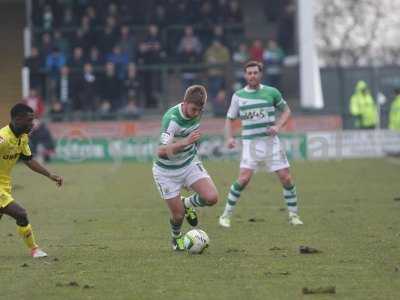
107 235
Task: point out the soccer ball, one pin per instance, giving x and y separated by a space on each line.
196 241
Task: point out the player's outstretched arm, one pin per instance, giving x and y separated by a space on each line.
38 168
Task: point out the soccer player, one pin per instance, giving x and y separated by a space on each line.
257 105
14 146
176 164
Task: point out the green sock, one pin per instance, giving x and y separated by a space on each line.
290 197
233 197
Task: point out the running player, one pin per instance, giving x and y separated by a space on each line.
13 146
177 164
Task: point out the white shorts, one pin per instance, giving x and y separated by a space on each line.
170 182
263 153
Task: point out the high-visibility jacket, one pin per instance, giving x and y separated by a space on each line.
363 107
394 115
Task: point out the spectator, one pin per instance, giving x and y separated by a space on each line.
127 43
88 33
61 43
47 18
108 37
77 61
35 102
150 49
273 60
189 57
110 89
87 86
92 14
81 39
159 16
217 54
363 107
56 111
131 84
219 104
256 51
112 22
34 63
151 52
234 14
189 51
394 115
105 110
189 41
41 142
68 19
95 58
240 57
217 33
113 11
46 46
207 16
222 11
131 109
64 88
120 61
54 62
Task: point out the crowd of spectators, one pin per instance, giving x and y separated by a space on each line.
88 56
98 57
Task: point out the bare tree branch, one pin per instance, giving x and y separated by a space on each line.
358 32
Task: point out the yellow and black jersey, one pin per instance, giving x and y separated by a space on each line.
11 148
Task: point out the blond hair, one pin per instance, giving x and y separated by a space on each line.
196 94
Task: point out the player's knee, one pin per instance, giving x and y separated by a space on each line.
244 180
211 198
286 180
21 217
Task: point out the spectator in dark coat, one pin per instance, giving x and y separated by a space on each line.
35 62
111 88
151 52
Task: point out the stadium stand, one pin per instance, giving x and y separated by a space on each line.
82 52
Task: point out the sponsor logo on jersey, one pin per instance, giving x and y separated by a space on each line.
10 156
254 114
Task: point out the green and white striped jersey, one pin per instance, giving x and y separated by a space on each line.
256 109
175 126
